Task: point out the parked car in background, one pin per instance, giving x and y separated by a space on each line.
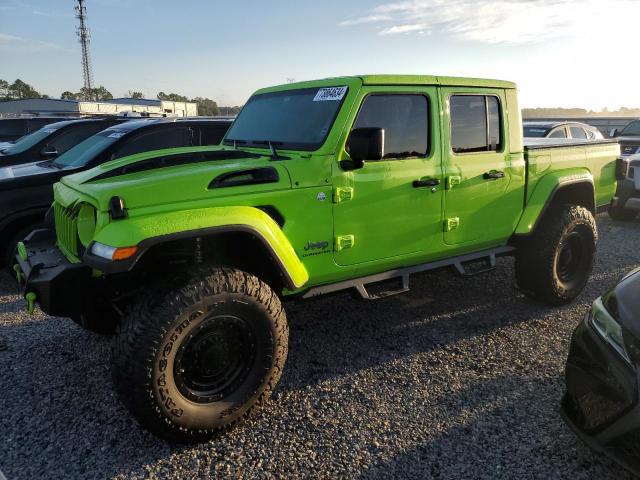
626 202
576 130
53 140
26 190
12 129
601 403
629 138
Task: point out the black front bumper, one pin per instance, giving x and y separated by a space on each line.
59 285
601 401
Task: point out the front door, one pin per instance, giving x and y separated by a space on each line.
392 207
483 183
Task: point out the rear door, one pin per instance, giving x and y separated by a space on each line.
483 196
380 212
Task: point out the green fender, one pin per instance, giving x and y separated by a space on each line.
147 230
543 193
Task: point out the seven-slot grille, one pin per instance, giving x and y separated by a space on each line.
66 228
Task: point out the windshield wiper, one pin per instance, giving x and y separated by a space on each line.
272 148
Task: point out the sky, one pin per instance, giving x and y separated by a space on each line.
561 53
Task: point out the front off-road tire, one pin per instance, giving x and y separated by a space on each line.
554 265
197 359
620 214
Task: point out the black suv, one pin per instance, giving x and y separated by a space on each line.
13 128
629 139
53 140
26 191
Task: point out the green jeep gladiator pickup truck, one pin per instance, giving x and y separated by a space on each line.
344 183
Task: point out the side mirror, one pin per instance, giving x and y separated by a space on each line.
364 144
613 133
49 151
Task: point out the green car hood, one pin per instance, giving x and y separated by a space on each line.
150 179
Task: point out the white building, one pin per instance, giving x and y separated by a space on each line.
75 108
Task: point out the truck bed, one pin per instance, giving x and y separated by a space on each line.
545 155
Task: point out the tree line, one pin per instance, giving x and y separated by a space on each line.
19 90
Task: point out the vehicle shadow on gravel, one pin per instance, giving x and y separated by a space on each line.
495 425
339 336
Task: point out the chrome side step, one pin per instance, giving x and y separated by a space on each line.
459 263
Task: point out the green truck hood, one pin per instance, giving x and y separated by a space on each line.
141 180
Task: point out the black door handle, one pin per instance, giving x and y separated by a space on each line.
426 182
493 174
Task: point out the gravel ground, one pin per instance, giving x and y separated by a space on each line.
460 378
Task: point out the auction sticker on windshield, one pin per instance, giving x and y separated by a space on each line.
330 94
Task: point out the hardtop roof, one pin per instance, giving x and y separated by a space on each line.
393 80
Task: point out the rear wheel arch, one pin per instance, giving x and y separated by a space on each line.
580 192
577 191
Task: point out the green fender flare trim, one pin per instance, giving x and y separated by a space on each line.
543 194
152 228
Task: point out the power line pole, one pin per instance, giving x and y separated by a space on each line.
83 35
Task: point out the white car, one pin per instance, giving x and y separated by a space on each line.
576 130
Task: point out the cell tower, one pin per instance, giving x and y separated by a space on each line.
83 35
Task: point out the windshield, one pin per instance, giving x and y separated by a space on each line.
28 141
85 151
633 129
293 119
536 132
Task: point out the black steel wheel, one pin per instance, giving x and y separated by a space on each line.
571 263
215 359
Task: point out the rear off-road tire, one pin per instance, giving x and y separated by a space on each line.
200 357
554 265
620 214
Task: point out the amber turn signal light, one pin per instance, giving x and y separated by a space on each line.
122 253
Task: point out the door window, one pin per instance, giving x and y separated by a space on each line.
155 140
475 123
210 134
404 119
578 132
72 136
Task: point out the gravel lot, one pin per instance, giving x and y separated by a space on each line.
460 378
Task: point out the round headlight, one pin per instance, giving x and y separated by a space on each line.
86 223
